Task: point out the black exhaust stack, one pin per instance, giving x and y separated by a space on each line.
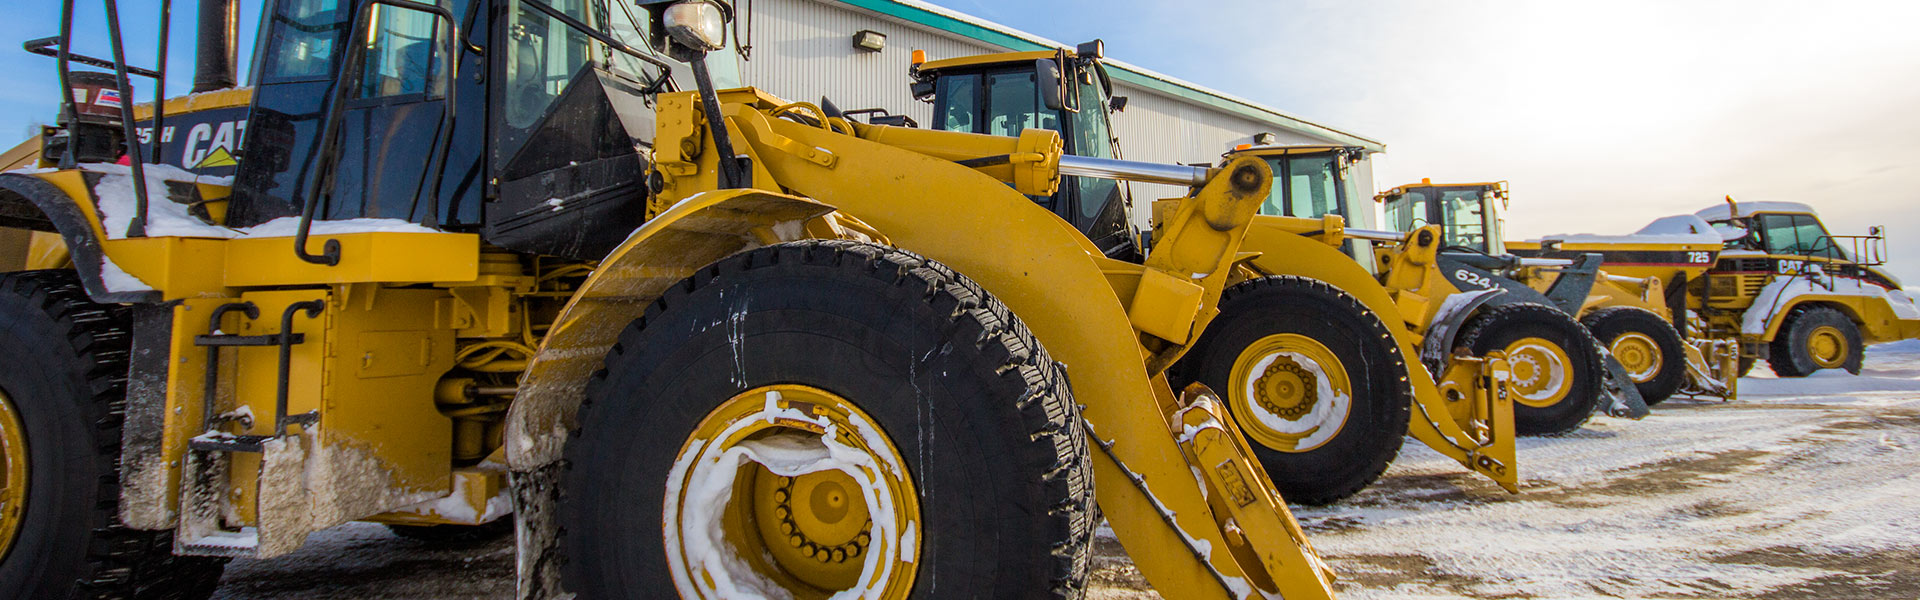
213 67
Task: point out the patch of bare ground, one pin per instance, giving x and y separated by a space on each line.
1860 575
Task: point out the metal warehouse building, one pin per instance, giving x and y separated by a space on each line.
802 49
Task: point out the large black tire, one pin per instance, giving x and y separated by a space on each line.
1670 367
1376 423
983 418
1498 327
66 377
1790 353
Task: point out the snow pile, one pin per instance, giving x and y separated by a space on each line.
168 218
290 226
1783 290
694 515
119 280
164 216
1722 212
1676 229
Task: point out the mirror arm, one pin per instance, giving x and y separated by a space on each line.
730 176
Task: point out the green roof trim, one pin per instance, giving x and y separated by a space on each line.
1125 73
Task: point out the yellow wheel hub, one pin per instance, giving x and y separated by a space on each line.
13 474
1639 354
1827 345
1290 392
1542 373
792 487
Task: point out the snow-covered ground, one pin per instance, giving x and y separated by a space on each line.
1805 488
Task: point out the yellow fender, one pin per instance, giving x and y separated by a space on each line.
1876 319
63 202
1282 251
699 232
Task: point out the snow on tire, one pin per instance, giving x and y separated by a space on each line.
1312 377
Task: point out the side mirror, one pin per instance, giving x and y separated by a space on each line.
1117 104
922 90
1046 81
1093 49
1876 231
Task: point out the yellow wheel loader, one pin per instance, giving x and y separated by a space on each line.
1633 318
1453 297
1765 276
485 259
1308 350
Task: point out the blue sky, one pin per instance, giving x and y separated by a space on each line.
31 94
1603 115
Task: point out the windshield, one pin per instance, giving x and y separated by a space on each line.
304 37
1007 101
1407 211
1465 213
1092 137
1305 186
1797 235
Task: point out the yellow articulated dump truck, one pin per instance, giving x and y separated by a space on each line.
1308 350
712 343
1767 276
1632 317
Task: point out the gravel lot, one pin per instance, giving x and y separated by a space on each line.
1802 489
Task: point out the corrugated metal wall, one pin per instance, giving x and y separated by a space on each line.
803 49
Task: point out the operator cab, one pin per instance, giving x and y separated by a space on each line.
1309 181
1003 94
539 143
1783 237
1468 216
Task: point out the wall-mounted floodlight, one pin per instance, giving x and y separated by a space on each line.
870 40
1265 139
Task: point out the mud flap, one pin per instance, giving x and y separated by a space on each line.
1623 398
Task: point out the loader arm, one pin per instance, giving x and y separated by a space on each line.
1074 300
1283 250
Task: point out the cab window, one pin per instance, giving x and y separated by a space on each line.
304 40
1408 211
1091 137
1305 186
1013 105
543 54
401 56
1797 235
1466 218
1313 190
960 102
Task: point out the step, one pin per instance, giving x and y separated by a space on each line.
218 441
226 340
231 544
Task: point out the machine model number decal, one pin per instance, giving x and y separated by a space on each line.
1473 279
1699 258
